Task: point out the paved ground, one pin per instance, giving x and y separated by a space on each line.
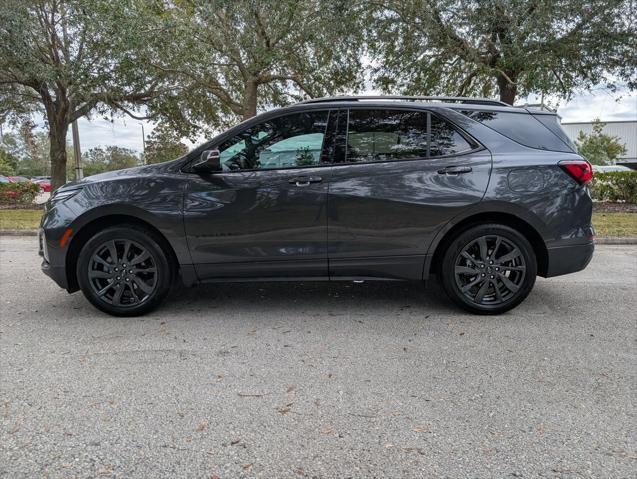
320 380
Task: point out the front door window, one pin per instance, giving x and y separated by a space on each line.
284 142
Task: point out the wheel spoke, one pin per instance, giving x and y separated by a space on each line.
482 291
142 285
103 291
498 242
112 250
102 261
143 270
99 274
117 297
498 294
466 270
470 285
510 285
126 249
140 258
514 253
514 268
482 243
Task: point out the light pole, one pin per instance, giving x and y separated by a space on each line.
143 143
79 174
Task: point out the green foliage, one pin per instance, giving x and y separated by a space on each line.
99 160
163 144
8 163
304 157
70 58
598 148
231 58
506 47
616 187
22 193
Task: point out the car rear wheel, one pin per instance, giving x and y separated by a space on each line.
489 269
124 271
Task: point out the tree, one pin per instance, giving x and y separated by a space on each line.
8 163
598 148
163 144
68 58
232 57
98 160
508 47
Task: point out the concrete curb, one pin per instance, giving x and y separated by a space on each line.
598 240
616 240
18 232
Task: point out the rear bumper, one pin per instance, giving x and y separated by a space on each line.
569 259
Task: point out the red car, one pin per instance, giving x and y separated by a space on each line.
45 185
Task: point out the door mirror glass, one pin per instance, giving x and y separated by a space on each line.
209 162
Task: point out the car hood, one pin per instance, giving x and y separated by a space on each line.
136 171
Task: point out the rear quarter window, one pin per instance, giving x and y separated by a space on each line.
522 128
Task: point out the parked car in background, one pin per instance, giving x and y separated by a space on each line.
45 184
18 179
610 168
4 179
482 195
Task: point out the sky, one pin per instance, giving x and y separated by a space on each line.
583 107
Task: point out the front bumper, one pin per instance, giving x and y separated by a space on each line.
569 259
56 273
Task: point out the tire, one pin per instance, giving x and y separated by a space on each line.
493 255
131 290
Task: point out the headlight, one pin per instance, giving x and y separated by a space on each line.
62 195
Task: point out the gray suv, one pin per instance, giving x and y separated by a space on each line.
483 195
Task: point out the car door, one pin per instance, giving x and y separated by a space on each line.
263 215
399 176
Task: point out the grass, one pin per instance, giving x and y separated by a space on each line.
606 224
615 224
20 219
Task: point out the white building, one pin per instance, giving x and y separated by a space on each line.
625 130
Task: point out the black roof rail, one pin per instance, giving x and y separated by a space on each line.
445 99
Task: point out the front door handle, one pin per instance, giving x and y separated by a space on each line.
304 180
455 170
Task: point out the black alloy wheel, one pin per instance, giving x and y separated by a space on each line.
489 269
124 271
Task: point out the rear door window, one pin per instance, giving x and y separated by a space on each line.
392 135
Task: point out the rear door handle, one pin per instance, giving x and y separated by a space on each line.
455 170
304 180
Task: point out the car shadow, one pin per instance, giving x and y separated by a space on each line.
273 297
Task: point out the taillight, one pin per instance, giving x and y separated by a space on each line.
580 170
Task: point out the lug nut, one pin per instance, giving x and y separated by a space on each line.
492 276
118 278
483 274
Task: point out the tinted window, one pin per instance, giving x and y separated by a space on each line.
445 139
520 127
552 122
283 142
381 135
385 135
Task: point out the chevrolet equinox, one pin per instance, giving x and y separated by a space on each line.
483 195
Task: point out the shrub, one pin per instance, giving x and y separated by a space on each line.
616 186
18 193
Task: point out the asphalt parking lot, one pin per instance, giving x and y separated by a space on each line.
320 380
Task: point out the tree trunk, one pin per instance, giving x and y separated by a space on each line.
507 89
57 138
250 100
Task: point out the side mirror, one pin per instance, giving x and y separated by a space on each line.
209 162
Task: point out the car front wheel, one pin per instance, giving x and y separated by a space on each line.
124 271
489 269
